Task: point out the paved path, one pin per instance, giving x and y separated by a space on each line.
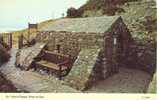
32 81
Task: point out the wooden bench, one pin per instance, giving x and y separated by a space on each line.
61 69
58 62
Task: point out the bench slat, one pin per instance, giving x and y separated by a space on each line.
55 53
50 65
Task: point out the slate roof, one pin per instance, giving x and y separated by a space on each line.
88 24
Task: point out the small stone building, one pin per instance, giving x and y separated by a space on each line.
97 43
97 46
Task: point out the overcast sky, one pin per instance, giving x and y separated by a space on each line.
15 14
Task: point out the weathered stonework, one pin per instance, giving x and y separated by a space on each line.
71 42
99 45
25 56
83 68
142 57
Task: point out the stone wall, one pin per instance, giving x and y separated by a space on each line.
71 43
135 54
116 54
142 56
123 35
97 56
86 70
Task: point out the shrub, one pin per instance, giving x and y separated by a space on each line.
4 55
72 13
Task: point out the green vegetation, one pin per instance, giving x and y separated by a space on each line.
139 15
73 13
109 7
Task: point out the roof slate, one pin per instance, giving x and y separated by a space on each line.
88 24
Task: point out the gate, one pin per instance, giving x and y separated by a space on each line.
6 40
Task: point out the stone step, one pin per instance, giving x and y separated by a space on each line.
50 65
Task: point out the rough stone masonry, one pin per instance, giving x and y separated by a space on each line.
94 42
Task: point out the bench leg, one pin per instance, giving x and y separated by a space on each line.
60 73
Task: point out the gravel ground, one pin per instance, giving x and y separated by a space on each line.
126 81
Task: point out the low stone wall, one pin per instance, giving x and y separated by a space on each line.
142 56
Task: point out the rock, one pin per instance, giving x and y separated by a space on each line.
6 85
25 56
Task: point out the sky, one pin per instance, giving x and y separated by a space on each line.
15 14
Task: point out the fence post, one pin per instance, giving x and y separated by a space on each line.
10 45
20 41
60 72
29 32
